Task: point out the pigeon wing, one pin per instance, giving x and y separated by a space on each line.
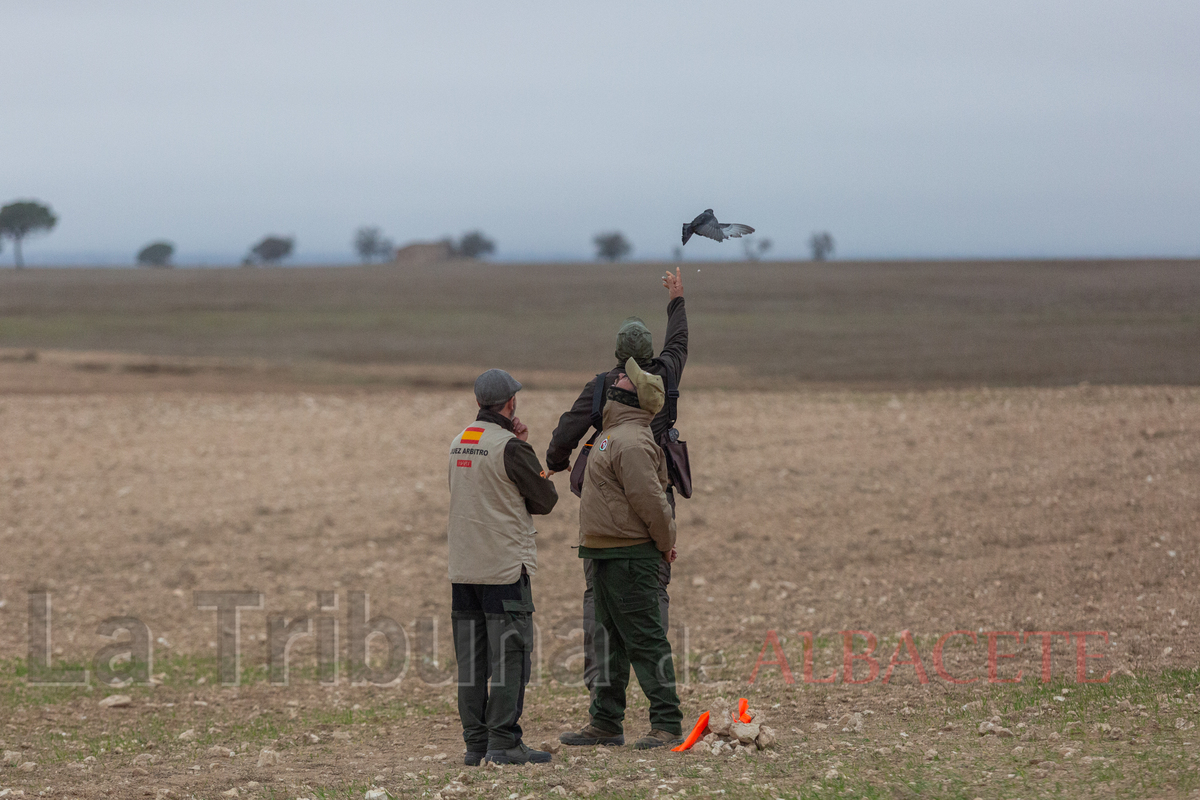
712 229
735 230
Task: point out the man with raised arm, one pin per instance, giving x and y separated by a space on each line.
633 341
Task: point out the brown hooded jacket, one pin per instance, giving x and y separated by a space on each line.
624 500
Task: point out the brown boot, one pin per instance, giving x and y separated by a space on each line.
591 735
657 738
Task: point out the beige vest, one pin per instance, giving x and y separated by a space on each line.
491 532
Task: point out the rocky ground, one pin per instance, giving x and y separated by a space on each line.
1065 510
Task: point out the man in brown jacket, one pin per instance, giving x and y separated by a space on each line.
627 528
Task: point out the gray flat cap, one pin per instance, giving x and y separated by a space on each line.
495 386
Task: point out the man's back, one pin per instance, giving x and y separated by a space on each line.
491 532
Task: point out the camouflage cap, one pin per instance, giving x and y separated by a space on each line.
634 341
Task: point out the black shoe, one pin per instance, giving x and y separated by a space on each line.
657 738
472 757
591 736
521 754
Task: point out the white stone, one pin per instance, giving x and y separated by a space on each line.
188 736
766 738
745 732
719 718
116 701
268 758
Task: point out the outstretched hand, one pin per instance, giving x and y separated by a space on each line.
674 283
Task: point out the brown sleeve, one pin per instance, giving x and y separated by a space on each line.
637 466
522 467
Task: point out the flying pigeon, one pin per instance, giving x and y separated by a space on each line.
706 225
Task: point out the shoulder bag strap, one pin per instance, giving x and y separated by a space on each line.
672 398
598 401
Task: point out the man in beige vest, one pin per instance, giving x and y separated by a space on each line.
496 485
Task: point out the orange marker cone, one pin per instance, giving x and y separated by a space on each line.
694 736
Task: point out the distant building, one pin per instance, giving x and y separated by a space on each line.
425 252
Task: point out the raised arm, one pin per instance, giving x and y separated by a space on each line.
675 349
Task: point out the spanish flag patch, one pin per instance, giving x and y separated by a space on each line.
471 436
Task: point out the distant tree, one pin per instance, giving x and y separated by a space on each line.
156 254
821 244
369 243
271 250
677 253
756 248
474 245
19 219
612 246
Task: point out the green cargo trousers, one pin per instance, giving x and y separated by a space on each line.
493 640
629 631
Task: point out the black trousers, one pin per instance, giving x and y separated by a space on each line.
493 642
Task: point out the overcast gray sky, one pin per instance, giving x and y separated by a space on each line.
917 129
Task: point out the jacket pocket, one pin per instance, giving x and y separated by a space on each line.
618 507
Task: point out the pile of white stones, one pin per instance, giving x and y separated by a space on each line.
727 736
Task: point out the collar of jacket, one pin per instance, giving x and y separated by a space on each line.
618 413
491 416
644 363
